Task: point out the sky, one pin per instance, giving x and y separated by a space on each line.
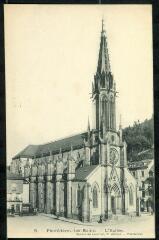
51 54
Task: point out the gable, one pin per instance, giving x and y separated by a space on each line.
82 173
114 176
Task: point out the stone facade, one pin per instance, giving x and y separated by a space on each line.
84 176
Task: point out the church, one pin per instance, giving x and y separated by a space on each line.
84 176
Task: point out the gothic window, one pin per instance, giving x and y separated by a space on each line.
103 80
131 200
107 114
112 138
79 200
143 185
134 174
111 113
103 106
143 194
95 197
110 82
104 110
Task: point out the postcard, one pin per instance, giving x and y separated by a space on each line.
79 117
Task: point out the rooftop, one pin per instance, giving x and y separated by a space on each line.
76 141
83 172
140 164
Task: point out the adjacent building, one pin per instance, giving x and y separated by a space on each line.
143 171
17 191
14 191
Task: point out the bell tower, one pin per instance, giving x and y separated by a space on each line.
104 89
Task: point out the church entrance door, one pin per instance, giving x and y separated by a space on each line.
113 205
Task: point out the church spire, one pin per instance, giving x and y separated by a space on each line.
104 90
88 132
102 25
103 59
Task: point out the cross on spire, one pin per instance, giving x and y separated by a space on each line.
103 59
102 24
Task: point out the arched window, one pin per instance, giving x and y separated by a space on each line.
79 197
111 113
95 197
104 110
107 114
103 80
131 200
103 106
110 82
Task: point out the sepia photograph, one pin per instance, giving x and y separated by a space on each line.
79 121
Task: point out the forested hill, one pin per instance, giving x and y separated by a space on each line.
139 137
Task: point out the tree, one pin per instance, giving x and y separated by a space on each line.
139 137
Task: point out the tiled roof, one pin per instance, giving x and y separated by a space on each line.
29 151
65 144
83 172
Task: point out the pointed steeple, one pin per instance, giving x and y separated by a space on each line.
88 132
103 59
104 89
102 25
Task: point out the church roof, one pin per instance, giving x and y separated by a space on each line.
65 144
29 151
83 172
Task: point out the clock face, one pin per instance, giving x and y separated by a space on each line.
114 156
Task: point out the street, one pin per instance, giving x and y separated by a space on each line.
44 225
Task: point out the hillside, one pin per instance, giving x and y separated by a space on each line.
139 138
